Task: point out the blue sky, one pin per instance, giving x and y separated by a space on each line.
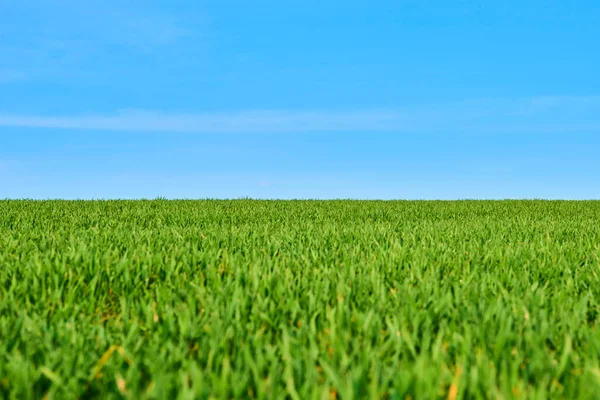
299 99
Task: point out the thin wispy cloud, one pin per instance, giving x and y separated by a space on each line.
62 37
107 21
537 114
11 76
247 121
265 184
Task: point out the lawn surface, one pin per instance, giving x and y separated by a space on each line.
299 299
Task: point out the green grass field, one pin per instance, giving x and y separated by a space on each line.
299 299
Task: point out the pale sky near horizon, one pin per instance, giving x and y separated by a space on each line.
299 99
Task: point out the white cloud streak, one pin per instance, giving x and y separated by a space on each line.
248 121
538 114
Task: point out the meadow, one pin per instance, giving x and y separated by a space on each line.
299 299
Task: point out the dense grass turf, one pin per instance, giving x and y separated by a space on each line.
303 299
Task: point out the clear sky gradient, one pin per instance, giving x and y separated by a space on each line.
300 99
